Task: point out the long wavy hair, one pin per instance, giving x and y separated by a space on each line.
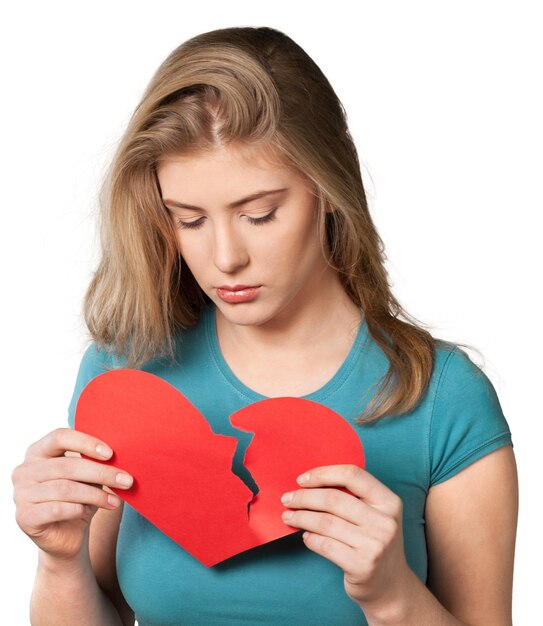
257 87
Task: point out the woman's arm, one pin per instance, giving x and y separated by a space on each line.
85 591
104 531
471 522
57 493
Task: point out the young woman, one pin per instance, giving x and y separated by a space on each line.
239 263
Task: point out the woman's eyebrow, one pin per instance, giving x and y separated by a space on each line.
232 205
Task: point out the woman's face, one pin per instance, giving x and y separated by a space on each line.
242 221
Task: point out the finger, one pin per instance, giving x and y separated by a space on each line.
82 470
345 506
47 513
357 480
337 552
326 525
58 441
71 491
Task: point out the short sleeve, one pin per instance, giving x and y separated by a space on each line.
467 420
93 363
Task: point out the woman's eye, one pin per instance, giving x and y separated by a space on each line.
252 220
182 224
265 218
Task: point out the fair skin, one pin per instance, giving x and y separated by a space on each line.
302 319
300 316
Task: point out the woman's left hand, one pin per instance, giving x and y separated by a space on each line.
361 532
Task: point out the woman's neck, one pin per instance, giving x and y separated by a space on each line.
321 316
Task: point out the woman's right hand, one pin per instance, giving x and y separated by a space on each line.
56 496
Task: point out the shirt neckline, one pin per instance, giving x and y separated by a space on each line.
326 390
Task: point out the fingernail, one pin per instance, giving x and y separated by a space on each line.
113 500
286 497
104 450
287 514
303 478
124 479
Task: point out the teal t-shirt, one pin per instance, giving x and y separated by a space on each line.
457 421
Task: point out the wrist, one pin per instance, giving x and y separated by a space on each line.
394 610
63 566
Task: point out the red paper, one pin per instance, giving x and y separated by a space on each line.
183 481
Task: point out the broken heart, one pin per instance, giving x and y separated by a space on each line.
183 479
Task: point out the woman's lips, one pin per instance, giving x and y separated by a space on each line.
235 294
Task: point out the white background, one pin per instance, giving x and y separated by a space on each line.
444 102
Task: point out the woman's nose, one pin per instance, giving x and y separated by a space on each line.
229 249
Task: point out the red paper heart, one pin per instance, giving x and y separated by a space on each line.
183 481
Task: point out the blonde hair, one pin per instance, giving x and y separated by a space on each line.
253 86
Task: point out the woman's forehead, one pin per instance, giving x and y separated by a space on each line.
232 172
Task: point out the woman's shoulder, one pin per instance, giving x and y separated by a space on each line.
98 358
456 373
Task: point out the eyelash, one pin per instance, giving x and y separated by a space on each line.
258 221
